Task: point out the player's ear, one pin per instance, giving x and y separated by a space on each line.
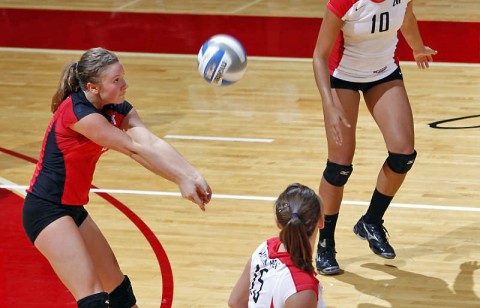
91 87
278 224
321 222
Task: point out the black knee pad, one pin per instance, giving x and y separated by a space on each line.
98 300
122 296
336 174
401 163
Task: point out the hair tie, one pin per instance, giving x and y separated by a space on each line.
76 66
294 214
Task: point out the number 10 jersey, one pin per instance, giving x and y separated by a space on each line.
365 48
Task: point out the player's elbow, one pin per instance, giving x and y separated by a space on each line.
234 304
131 150
236 301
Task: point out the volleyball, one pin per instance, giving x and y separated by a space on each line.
222 60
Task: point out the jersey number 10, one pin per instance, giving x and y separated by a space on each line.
383 22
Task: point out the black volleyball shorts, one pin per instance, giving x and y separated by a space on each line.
38 213
364 86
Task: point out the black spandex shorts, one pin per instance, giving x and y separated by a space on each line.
364 86
38 213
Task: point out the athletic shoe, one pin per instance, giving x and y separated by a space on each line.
325 261
376 234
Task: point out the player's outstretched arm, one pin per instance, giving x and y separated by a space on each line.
150 151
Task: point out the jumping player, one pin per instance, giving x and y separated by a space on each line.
355 52
280 272
91 116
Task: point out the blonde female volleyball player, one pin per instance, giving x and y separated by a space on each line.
355 52
280 272
91 116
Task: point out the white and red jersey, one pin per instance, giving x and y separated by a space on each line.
273 277
365 48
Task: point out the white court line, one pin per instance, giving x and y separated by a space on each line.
194 57
217 138
246 6
126 5
12 186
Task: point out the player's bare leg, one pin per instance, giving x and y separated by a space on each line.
388 103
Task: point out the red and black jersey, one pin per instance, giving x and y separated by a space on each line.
64 171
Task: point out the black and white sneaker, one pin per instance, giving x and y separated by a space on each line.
325 261
376 234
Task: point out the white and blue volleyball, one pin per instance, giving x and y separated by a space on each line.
222 60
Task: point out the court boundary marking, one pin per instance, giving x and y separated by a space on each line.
192 56
162 258
262 198
231 139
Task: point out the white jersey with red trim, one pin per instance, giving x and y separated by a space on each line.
365 48
274 278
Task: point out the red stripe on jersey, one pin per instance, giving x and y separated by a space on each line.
80 156
302 280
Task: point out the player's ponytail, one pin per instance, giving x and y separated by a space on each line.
295 239
298 211
67 85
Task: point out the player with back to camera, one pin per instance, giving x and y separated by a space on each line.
280 272
355 51
91 115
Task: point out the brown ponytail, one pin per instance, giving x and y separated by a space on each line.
298 211
67 85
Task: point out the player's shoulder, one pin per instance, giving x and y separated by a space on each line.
340 7
81 106
344 3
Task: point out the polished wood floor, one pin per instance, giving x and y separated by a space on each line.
433 222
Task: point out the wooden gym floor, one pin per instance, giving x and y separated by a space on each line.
256 137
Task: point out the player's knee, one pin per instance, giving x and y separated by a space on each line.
336 174
401 163
98 300
122 296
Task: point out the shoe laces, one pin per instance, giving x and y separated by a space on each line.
327 251
379 230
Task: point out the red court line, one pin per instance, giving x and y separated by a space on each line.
165 268
185 33
26 277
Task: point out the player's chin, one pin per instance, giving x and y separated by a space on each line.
121 99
